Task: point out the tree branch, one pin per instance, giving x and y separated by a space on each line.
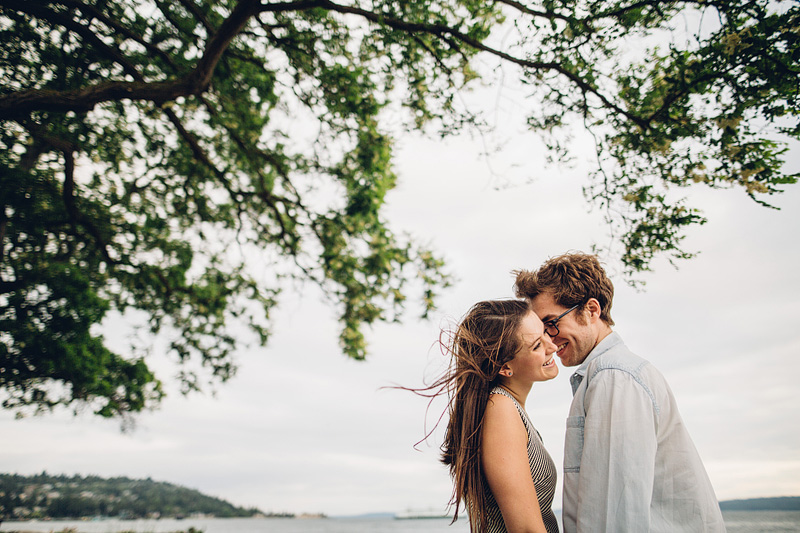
191 7
3 226
21 103
538 14
61 19
93 13
68 195
441 31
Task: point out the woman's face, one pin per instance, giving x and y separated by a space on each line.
535 359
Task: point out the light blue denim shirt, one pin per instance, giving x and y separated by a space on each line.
629 463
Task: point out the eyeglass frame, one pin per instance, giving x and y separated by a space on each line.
553 322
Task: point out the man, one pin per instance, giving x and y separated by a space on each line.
629 463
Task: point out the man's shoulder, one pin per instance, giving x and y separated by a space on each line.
618 356
623 370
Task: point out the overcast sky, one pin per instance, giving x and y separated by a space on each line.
303 429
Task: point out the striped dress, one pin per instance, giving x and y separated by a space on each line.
543 471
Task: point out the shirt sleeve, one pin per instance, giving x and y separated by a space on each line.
618 462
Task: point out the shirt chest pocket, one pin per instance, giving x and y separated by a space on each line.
573 448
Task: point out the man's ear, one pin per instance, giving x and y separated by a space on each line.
594 308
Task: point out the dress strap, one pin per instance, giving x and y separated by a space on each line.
521 410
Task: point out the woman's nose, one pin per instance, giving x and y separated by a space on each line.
549 344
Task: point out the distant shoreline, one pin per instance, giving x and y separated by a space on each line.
780 503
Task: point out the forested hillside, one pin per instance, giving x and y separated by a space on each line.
62 496
784 503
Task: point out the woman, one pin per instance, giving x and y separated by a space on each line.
501 471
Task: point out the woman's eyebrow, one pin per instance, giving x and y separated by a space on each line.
537 339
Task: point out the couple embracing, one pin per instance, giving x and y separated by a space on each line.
629 463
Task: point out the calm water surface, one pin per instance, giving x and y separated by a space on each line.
736 522
762 521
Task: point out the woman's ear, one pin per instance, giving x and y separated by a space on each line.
506 370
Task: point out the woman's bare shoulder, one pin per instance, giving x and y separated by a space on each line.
500 411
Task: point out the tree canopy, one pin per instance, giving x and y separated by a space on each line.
184 159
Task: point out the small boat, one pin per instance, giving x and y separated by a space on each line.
420 515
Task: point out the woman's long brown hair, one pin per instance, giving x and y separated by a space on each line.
484 340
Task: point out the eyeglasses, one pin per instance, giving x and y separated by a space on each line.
552 324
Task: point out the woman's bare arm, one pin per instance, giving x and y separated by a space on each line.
504 457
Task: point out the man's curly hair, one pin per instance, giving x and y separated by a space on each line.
572 279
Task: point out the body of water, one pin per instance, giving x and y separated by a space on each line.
736 522
244 525
762 521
